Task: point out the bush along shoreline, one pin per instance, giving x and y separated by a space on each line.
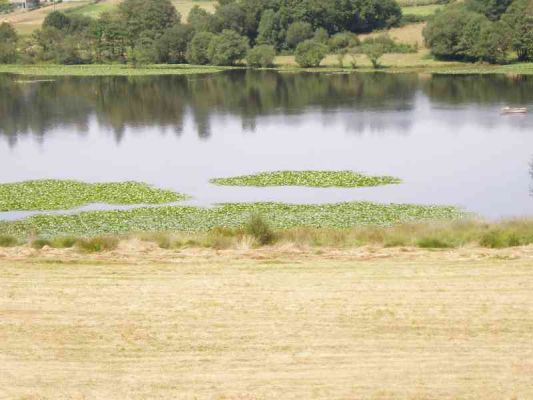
257 231
144 32
152 31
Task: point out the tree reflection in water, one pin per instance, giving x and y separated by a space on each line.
118 103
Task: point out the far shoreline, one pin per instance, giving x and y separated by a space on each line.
93 70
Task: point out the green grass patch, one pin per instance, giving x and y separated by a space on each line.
197 219
307 178
417 64
421 11
92 10
107 70
466 68
414 3
65 194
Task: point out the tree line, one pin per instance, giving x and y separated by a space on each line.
482 30
152 31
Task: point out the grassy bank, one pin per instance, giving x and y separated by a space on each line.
107 70
257 231
238 327
391 63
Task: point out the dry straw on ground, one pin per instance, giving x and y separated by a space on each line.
266 324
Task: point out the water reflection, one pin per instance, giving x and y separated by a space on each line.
443 135
118 103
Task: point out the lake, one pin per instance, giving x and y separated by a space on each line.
443 135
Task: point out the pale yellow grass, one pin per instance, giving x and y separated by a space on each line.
269 324
411 34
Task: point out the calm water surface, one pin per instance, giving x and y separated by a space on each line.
443 135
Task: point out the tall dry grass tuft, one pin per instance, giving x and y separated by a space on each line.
97 244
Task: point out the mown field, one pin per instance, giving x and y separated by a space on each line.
267 325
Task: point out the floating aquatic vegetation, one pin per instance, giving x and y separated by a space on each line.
187 218
307 178
46 70
65 194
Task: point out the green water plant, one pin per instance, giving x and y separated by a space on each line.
64 194
307 178
198 219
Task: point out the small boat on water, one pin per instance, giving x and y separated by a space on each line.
514 110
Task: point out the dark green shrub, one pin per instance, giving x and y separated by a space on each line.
493 239
57 20
171 47
6 7
395 242
97 244
259 229
227 48
298 32
343 40
8 43
202 21
40 243
458 33
519 20
269 30
197 50
497 239
261 56
8 241
374 51
321 36
434 243
310 53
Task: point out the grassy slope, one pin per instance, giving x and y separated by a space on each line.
27 22
296 327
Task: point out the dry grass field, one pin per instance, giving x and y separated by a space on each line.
140 323
411 34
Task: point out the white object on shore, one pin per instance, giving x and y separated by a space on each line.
514 110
